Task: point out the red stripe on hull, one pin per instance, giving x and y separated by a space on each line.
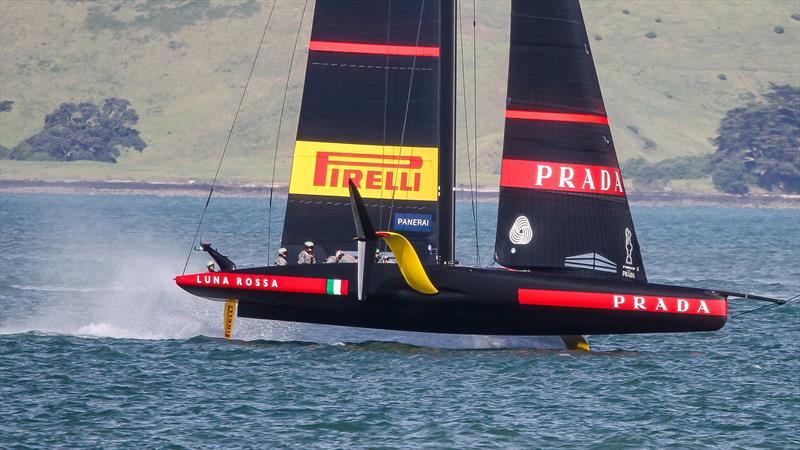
372 49
623 302
555 176
301 285
556 117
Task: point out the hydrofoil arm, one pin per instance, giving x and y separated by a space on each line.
759 298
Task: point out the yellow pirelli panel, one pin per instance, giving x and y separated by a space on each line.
399 173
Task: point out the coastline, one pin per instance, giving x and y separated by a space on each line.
166 189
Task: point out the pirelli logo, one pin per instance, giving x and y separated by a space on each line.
402 173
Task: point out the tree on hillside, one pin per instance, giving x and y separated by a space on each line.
657 175
760 144
5 106
84 131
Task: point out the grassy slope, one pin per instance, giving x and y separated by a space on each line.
183 69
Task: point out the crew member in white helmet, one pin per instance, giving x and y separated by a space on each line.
281 259
307 255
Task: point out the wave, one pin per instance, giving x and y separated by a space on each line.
373 340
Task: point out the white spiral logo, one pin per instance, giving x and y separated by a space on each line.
521 232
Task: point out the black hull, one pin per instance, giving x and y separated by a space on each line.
470 301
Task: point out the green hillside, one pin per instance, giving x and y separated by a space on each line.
183 65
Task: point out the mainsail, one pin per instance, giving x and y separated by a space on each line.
369 113
563 204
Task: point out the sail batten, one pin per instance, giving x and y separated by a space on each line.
563 204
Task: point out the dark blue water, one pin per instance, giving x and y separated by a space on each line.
98 348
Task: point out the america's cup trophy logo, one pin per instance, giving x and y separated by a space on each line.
628 246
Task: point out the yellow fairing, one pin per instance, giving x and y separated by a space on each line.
230 313
410 265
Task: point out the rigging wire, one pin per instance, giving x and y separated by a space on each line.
765 306
280 122
228 140
475 105
408 100
385 115
466 133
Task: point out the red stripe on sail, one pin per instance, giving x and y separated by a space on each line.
555 176
372 49
556 117
623 302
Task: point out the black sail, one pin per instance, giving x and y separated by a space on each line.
369 112
563 204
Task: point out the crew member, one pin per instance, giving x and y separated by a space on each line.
307 255
281 259
210 266
335 258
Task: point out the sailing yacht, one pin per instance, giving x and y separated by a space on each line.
374 165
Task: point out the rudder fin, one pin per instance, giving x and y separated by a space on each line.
576 342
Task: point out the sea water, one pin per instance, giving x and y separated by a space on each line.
99 348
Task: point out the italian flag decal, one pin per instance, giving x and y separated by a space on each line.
335 287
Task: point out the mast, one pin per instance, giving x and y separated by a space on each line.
447 125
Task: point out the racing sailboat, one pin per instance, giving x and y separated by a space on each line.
374 160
